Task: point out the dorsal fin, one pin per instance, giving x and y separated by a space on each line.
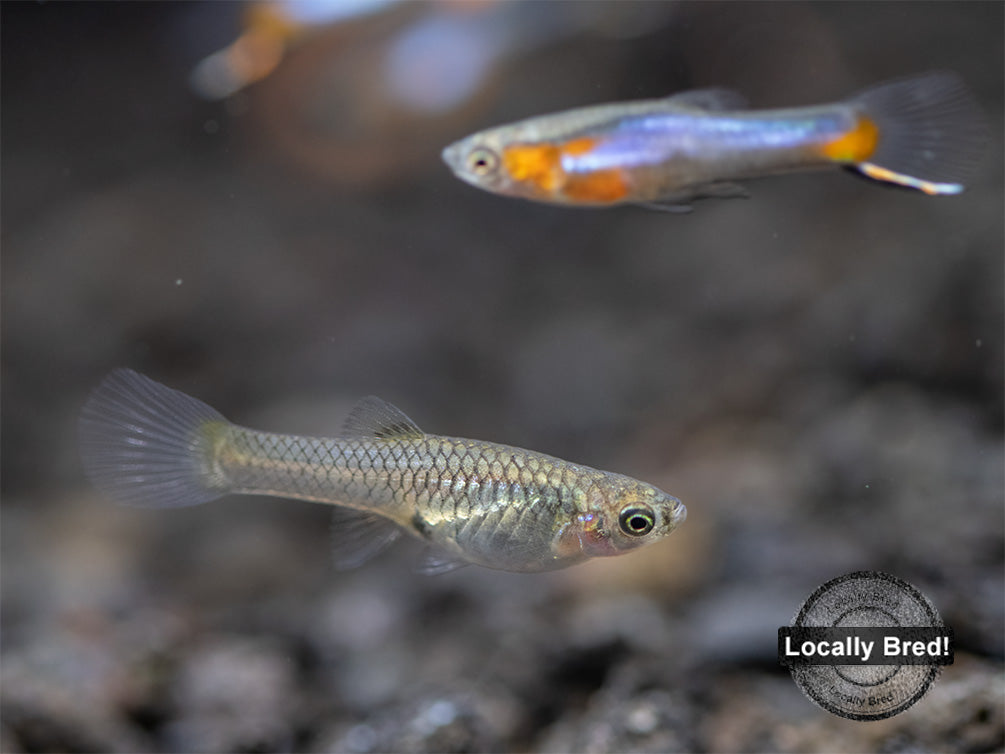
373 417
714 99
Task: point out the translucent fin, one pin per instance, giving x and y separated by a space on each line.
668 206
435 562
373 417
713 99
932 133
146 445
718 190
877 173
357 537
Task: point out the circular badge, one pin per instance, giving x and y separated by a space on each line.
866 646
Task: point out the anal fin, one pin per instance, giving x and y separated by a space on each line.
435 562
357 537
678 203
720 190
668 206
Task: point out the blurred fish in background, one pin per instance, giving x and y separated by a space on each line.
270 29
341 80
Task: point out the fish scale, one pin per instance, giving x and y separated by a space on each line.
471 501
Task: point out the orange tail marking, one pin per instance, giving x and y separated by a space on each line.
855 146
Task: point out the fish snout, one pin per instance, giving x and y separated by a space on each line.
453 155
679 513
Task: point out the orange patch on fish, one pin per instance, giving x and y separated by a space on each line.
857 145
578 146
537 164
540 165
598 187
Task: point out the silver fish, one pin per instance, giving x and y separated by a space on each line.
493 505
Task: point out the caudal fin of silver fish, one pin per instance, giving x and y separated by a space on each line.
930 132
145 445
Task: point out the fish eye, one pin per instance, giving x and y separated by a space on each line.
482 161
636 521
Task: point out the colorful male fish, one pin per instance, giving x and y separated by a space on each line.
924 132
493 505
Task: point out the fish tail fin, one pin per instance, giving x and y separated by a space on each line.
928 132
146 445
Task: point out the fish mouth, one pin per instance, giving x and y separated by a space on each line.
679 514
453 155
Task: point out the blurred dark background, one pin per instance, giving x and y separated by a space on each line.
816 371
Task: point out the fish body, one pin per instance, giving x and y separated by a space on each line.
472 501
924 133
